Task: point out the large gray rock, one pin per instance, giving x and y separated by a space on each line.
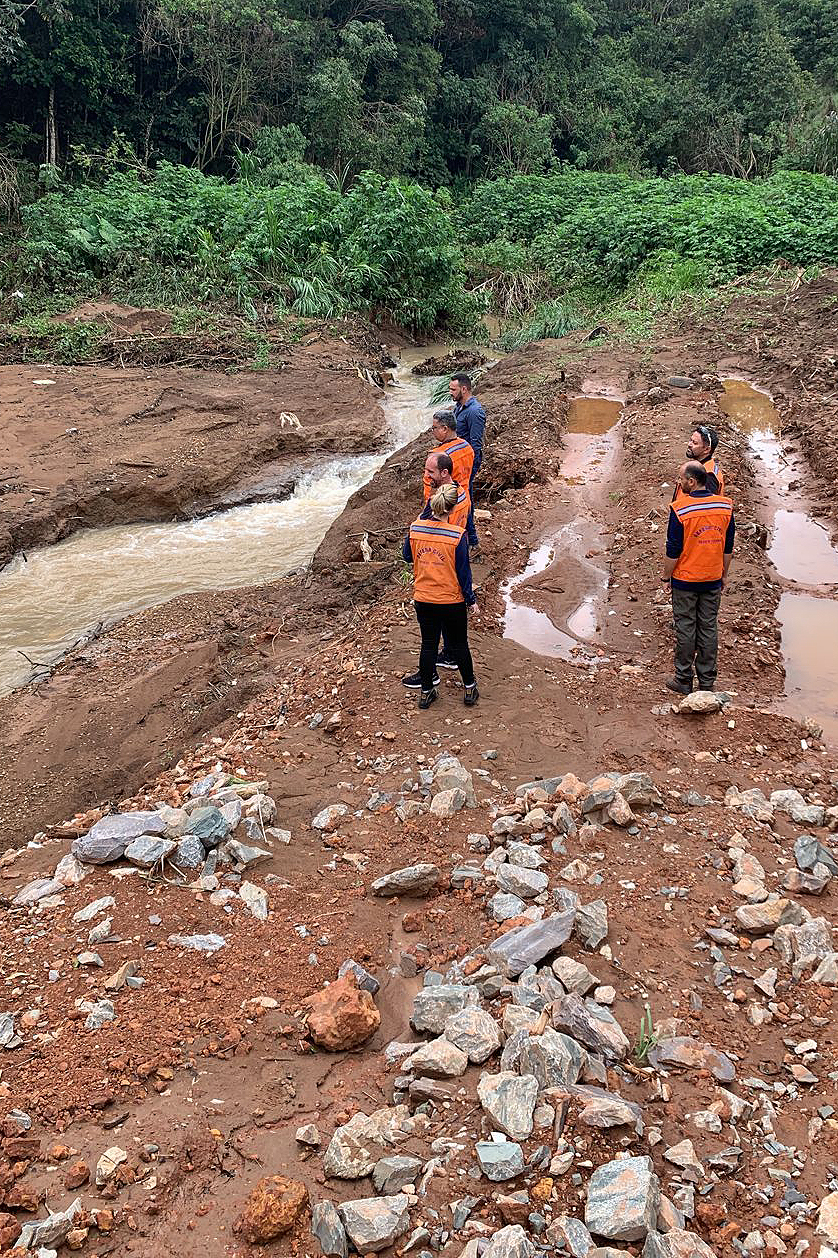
412 880
794 805
438 1058
475 1032
571 1232
574 976
762 919
682 1050
209 825
526 855
528 945
327 1229
554 1059
245 855
450 774
256 900
509 1100
391 1174
499 1159
606 1109
107 840
355 1147
592 923
623 1199
590 1024
199 943
809 852
366 981
677 1243
375 1223
147 851
520 881
189 853
827 971
329 818
510 1242
50 1231
805 945
502 906
433 1006
448 803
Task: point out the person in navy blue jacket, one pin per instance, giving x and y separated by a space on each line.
471 424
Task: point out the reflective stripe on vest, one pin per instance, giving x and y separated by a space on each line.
459 514
462 457
705 522
433 544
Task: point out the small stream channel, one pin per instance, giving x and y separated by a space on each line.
803 555
99 576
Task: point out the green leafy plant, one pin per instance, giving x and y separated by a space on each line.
646 1038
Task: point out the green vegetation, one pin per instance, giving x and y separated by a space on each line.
646 1037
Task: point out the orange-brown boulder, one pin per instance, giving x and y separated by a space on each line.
272 1209
76 1175
342 1015
9 1230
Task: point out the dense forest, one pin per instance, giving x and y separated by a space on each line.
419 160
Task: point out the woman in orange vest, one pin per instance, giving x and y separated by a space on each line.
442 593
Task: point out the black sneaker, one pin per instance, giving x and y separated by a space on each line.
471 695
427 697
446 661
680 687
414 682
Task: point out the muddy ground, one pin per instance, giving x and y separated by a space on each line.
218 1086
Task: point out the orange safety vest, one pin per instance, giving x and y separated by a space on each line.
461 455
705 522
433 544
458 515
710 465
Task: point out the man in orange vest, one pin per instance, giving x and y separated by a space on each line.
699 548
701 448
461 454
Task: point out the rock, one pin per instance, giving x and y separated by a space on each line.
412 880
573 1233
49 1231
391 1174
8 1037
108 1163
681 1050
308 1135
591 1025
89 958
555 1060
605 995
618 811
702 701
683 1156
828 1217
528 945
475 1032
503 906
98 1013
680 382
751 802
592 923
69 871
433 1006
563 821
328 1230
525 855
638 789
751 890
574 976
189 853
94 908
448 803
509 1100
499 1160
342 1016
107 840
119 978
147 850
808 852
509 1242
355 1147
794 805
523 882
827 971
677 1243
606 1109
762 919
366 981
272 1209
256 900
374 1223
438 1058
245 855
209 824
450 774
807 944
198 943
623 1197
37 890
799 882
328 819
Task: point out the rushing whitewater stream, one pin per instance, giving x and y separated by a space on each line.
51 598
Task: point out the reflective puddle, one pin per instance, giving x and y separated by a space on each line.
591 446
97 577
802 551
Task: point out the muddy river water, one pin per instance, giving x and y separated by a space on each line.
55 595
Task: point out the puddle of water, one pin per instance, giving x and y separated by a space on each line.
593 415
810 632
751 407
801 550
102 575
534 629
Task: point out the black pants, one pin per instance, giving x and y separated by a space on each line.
696 615
452 620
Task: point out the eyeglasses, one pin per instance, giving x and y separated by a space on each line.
704 432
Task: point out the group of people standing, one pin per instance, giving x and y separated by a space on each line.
443 540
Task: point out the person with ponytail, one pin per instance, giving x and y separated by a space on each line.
442 592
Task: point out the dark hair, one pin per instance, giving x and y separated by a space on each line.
697 471
707 434
446 418
463 379
444 464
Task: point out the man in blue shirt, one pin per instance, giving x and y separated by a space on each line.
471 423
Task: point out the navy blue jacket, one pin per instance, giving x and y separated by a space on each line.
471 422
